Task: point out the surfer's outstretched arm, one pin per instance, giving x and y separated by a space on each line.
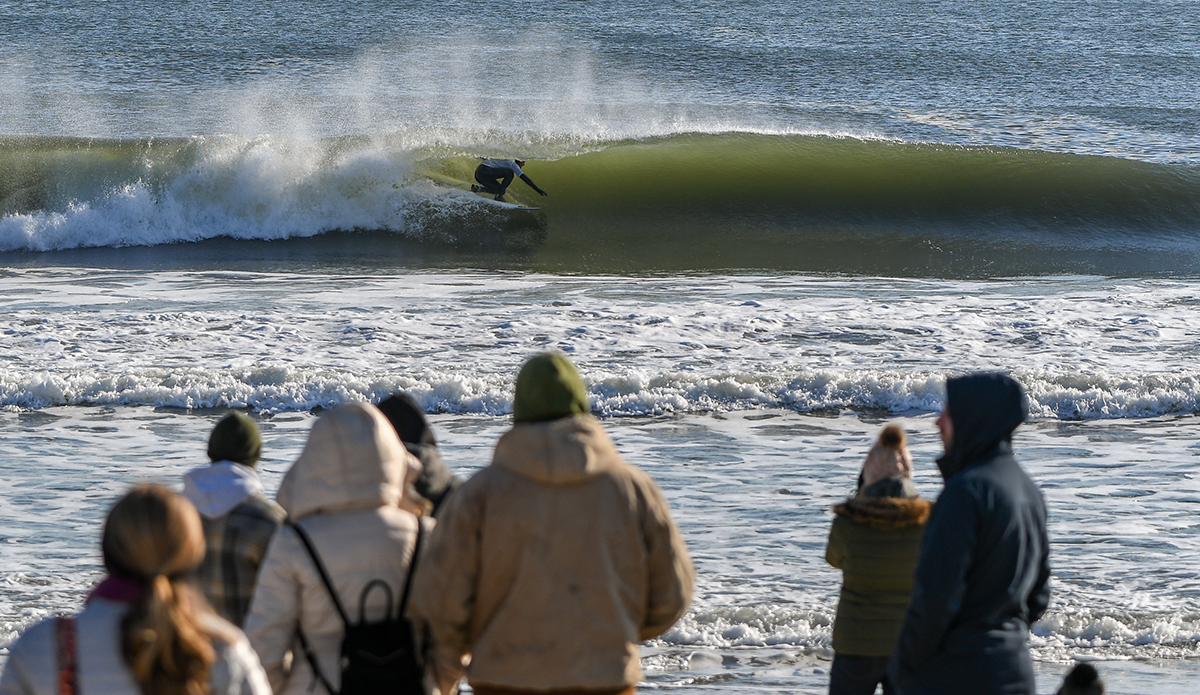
534 186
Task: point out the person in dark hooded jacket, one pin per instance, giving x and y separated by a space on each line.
408 419
983 573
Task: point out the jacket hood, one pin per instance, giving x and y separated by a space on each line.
215 490
352 460
567 451
408 419
885 512
984 410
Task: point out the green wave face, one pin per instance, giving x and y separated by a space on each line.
840 204
843 179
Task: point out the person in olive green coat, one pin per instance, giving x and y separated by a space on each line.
875 540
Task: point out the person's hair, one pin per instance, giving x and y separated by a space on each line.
155 537
408 419
892 437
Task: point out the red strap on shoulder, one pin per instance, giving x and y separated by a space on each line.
68 669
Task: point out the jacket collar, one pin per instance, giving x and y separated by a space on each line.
885 512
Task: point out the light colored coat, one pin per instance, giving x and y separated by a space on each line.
347 492
32 667
550 565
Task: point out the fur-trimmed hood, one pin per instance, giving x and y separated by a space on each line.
886 512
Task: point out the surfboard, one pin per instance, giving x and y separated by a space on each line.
490 199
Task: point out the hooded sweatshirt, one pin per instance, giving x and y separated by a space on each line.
347 492
216 489
239 523
983 573
550 565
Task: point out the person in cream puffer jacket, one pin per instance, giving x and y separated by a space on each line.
348 492
551 564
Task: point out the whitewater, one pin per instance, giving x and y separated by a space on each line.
771 229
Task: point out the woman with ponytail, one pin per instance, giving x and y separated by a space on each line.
145 630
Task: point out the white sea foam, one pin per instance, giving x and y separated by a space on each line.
1057 636
272 388
1084 348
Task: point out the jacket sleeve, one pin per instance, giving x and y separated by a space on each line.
31 668
939 585
671 574
835 548
442 602
237 671
1039 597
274 610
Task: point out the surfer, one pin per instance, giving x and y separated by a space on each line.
494 176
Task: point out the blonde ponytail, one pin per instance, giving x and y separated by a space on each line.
155 536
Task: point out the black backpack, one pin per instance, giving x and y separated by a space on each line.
377 657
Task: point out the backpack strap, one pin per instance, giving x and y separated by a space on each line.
312 552
311 658
309 655
65 648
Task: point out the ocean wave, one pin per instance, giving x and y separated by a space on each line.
286 388
1059 635
696 200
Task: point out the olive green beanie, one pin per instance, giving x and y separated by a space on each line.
235 438
548 388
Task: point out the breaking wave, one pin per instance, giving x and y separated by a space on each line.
701 201
286 388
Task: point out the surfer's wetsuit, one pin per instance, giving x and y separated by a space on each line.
495 175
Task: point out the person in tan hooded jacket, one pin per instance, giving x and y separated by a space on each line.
551 564
347 491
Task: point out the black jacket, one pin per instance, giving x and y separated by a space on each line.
983 573
408 419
